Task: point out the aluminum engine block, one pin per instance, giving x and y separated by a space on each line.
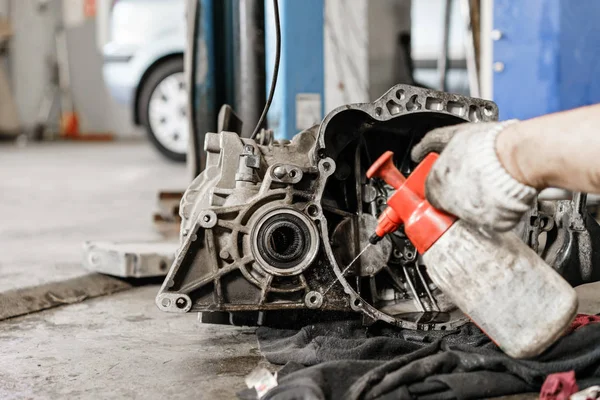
271 225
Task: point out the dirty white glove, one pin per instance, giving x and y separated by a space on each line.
468 179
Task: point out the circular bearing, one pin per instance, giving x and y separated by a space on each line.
284 242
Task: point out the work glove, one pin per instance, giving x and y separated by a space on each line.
468 179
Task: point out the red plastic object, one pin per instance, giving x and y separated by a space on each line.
70 124
423 224
583 320
559 386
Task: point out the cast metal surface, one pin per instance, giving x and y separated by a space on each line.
272 225
566 236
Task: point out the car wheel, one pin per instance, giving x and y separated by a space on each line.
163 109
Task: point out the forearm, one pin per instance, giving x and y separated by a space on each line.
556 150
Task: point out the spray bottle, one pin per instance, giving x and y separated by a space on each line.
519 301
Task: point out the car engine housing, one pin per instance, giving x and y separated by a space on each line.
272 225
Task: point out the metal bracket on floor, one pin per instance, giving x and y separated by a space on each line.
129 259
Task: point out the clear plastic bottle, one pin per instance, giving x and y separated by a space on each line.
519 301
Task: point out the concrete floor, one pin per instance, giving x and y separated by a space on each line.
122 346
55 196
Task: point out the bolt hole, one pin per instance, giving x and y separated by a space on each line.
181 303
488 110
357 302
380 201
162 266
397 253
413 104
313 299
378 111
326 166
400 94
475 114
313 211
409 254
206 218
321 153
443 327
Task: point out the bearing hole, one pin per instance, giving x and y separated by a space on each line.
313 211
206 218
313 299
292 173
285 241
357 302
166 302
181 303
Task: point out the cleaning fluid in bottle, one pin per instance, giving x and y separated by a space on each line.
506 289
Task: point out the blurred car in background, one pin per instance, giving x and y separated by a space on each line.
143 69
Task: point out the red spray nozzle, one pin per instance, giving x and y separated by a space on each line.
385 169
423 224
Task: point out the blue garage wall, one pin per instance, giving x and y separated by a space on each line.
301 69
580 53
547 57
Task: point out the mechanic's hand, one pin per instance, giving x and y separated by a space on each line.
468 179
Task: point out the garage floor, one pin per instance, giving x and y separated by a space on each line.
55 196
122 346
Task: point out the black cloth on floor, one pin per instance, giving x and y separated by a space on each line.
343 360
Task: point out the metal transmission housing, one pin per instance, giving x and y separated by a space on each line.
271 225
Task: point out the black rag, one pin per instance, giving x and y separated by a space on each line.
344 360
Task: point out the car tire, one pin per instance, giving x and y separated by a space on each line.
166 70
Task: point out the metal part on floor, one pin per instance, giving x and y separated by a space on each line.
140 259
129 259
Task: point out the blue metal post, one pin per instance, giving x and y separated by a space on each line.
546 58
301 69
